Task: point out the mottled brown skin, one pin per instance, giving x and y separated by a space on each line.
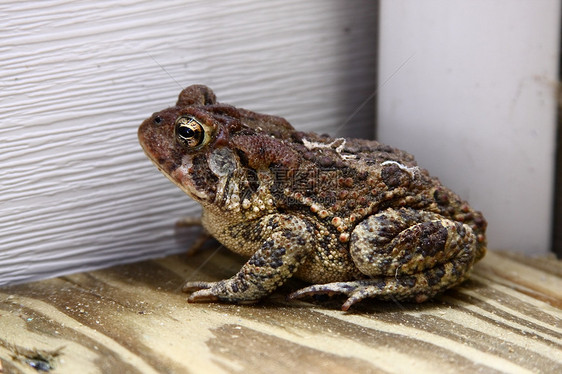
350 216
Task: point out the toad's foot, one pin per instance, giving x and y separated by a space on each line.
355 291
416 287
203 293
202 238
189 221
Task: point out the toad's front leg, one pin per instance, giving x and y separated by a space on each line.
286 242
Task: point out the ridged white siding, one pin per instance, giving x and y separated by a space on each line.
77 79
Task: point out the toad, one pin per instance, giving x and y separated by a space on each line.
349 216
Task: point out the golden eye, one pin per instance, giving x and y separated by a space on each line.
191 133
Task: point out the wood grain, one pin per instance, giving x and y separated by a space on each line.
78 78
133 319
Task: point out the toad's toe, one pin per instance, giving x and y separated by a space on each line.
202 296
196 286
323 289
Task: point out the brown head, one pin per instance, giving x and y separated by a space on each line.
201 145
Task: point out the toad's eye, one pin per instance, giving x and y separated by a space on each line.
191 133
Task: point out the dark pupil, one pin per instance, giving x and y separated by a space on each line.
186 132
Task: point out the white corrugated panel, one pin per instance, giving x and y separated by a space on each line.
77 78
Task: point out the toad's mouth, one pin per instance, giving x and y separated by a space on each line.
180 176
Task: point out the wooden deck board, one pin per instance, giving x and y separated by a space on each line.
134 319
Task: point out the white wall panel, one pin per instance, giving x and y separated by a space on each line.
469 87
78 77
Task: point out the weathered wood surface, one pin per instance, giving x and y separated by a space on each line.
134 319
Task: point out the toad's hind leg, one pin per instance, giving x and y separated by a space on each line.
418 287
405 255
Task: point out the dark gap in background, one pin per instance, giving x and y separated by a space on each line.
557 208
